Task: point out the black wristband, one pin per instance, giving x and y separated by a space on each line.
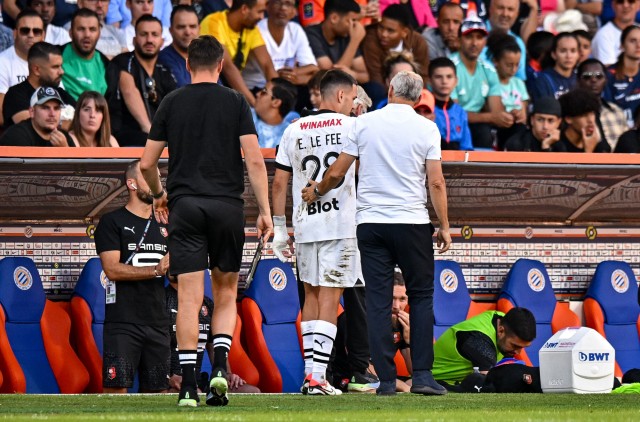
157 195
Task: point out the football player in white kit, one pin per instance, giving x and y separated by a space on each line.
325 231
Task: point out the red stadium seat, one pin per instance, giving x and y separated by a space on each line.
611 308
528 286
271 318
35 353
239 361
87 310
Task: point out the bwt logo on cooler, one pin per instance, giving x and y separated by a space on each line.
593 357
550 345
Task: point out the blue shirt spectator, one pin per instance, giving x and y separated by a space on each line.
177 64
6 37
453 124
119 12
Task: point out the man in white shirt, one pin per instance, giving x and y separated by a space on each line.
111 42
139 8
399 150
287 44
606 43
13 61
55 35
325 232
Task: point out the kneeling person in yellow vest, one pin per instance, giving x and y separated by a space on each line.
477 344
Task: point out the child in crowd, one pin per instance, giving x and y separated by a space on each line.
584 44
505 54
538 45
451 118
314 88
558 76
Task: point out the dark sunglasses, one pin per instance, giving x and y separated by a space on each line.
590 75
151 93
238 59
25 30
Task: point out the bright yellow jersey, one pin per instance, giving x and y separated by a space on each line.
217 25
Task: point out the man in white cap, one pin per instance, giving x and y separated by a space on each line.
41 129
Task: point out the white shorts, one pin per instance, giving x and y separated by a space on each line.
329 263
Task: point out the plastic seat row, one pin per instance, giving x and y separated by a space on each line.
610 305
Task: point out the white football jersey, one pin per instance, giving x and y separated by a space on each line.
308 148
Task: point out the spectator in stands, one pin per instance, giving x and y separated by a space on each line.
6 35
91 125
581 132
205 341
137 84
629 142
56 35
544 128
401 328
335 41
273 111
287 45
184 28
445 39
211 6
590 10
426 105
392 33
395 63
311 12
13 61
624 77
538 45
606 42
478 87
419 12
119 15
451 118
45 69
314 88
136 339
558 74
505 53
84 66
41 129
480 342
111 41
139 8
610 118
584 44
237 32
502 16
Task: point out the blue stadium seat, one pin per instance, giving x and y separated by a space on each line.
451 300
35 353
87 317
271 317
611 308
528 286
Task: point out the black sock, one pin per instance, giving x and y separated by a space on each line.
221 347
188 365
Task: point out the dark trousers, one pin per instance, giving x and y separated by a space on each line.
481 135
352 341
410 246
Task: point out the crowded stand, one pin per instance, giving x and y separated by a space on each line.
507 55
496 75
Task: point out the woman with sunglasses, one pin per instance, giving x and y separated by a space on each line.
91 126
611 119
624 76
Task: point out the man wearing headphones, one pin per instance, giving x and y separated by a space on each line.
133 251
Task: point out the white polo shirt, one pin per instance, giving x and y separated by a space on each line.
293 49
13 69
393 144
606 44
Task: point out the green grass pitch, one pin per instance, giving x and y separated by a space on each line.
349 407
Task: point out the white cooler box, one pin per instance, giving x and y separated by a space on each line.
577 360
